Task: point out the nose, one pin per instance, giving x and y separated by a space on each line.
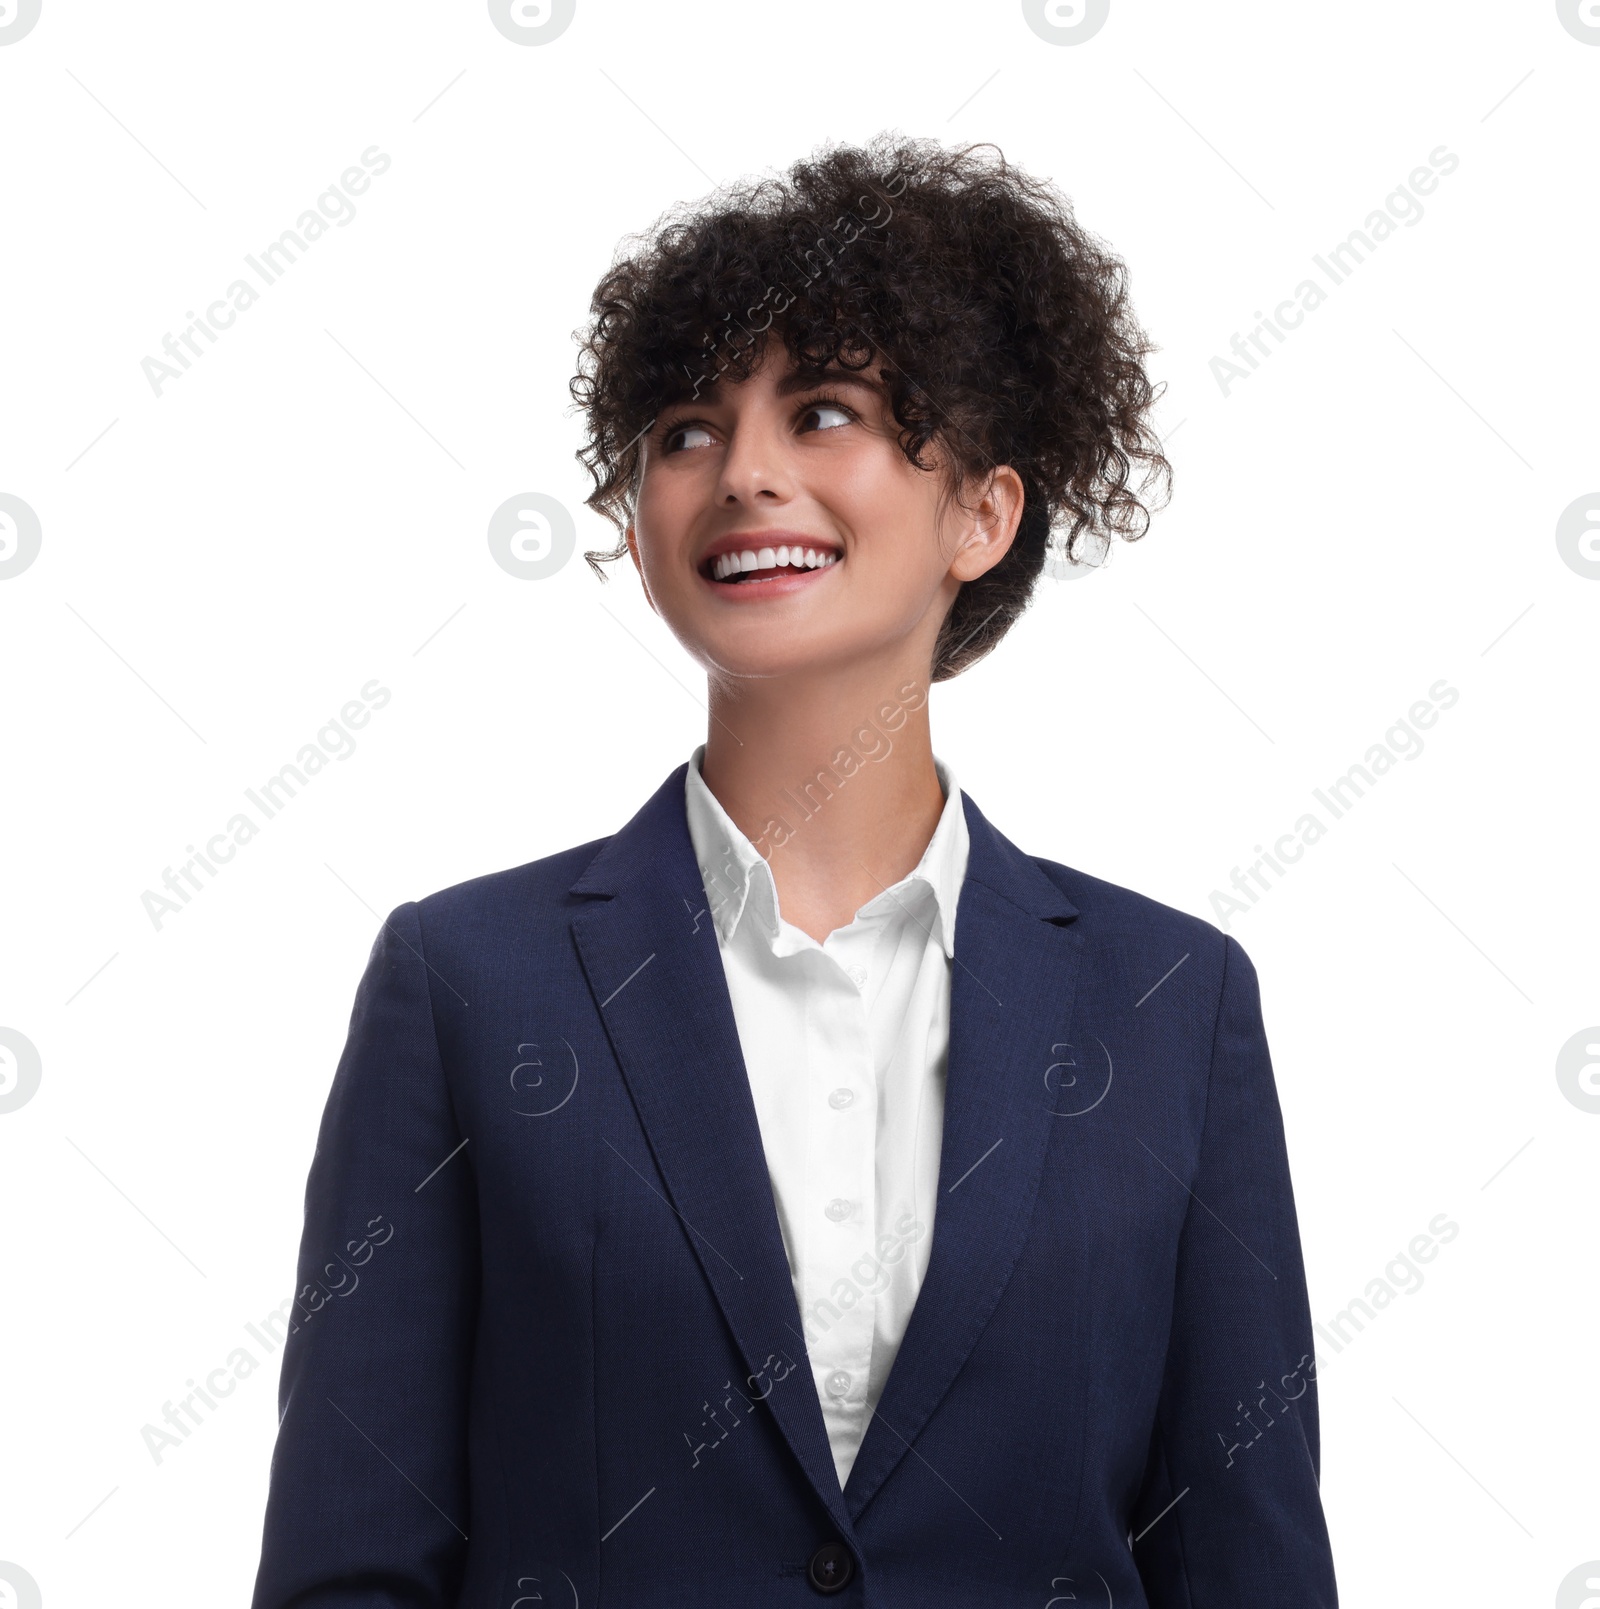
755 468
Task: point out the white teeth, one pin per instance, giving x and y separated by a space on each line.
727 565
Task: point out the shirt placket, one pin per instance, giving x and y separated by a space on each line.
841 1187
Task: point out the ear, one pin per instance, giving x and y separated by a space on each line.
633 553
988 518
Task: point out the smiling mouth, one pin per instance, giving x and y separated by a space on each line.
764 564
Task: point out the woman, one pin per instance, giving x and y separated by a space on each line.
803 1190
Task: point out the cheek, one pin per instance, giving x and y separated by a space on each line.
662 515
893 512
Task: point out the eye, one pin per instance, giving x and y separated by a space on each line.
688 434
825 416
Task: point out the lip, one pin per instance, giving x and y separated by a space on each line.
769 586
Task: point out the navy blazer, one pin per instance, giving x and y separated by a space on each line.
545 1345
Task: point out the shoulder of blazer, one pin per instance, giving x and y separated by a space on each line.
1124 913
539 887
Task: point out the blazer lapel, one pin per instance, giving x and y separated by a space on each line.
649 951
1013 986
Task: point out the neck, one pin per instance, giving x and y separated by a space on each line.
831 776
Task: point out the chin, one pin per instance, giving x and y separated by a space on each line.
770 654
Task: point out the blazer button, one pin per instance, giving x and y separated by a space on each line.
831 1568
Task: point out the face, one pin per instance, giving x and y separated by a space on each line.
780 529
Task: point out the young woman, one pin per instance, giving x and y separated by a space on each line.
804 1191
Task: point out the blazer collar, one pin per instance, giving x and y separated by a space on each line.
649 950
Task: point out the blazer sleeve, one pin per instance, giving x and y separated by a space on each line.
368 1497
1229 1515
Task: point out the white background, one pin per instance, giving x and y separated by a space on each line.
223 566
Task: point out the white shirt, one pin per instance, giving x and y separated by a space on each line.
845 1045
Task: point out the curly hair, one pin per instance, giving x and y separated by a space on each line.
1003 330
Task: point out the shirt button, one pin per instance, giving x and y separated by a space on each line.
857 975
838 1209
841 1098
838 1383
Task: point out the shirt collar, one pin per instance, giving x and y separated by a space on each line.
737 876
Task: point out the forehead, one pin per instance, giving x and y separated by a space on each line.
780 371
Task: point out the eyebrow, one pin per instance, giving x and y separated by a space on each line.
804 379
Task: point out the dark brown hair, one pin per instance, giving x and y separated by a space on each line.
1003 330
